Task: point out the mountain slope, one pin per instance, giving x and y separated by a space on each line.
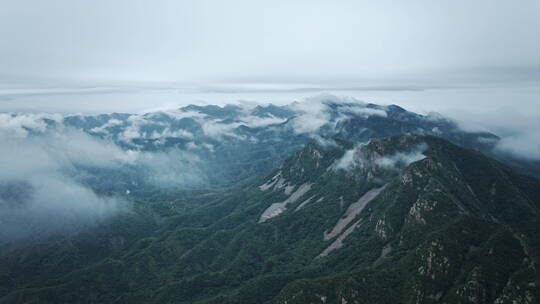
456 227
407 219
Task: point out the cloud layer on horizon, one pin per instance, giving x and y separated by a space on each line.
103 43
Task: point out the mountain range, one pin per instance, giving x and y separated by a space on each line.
335 202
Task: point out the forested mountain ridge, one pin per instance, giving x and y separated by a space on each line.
406 219
457 227
206 146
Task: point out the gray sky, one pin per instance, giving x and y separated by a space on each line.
324 43
133 55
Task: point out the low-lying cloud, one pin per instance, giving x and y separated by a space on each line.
314 113
402 159
347 161
54 204
517 130
353 159
51 175
46 199
366 112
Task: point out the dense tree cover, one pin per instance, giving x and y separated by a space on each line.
453 227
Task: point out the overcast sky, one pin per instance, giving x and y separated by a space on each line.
131 55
